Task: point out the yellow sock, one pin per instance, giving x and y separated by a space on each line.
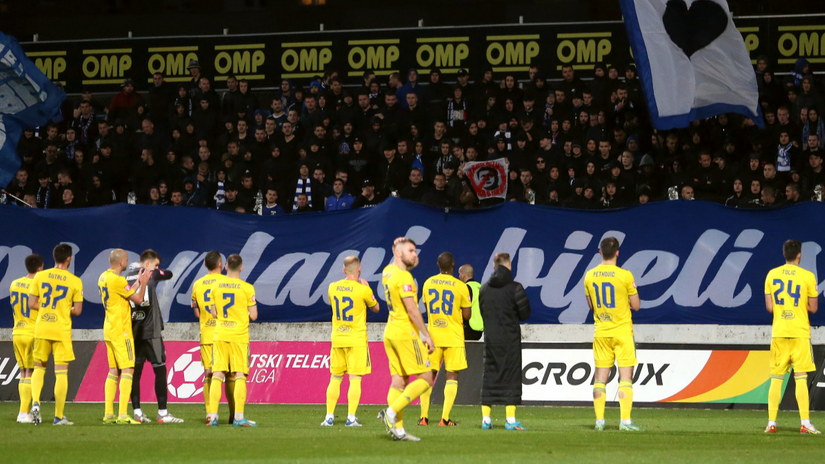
413 391
61 390
334 391
215 395
207 382
510 411
240 394
775 396
802 400
25 390
425 403
111 391
354 394
230 394
626 403
393 395
486 410
598 403
125 392
38 377
450 392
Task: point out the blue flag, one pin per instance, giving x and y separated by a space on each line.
28 99
692 61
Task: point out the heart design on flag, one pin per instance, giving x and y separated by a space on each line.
695 28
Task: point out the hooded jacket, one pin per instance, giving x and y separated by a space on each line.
503 305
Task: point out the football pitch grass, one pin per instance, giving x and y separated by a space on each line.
293 434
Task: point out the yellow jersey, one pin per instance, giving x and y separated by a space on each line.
349 300
232 299
115 293
444 296
609 288
58 291
25 319
790 287
399 284
202 296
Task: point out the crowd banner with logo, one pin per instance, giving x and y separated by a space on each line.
27 99
679 52
488 178
265 59
694 262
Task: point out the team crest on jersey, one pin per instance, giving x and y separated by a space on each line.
408 288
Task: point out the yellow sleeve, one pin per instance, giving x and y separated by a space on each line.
35 287
250 296
195 291
768 285
78 293
369 297
465 297
406 285
587 285
810 283
630 283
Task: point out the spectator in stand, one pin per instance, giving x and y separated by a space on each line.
127 105
340 199
367 197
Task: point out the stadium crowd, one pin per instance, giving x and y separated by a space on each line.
577 143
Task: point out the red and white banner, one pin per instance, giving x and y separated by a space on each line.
279 372
488 178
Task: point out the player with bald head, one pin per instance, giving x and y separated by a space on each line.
349 298
115 294
473 327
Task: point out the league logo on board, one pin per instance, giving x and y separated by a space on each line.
186 375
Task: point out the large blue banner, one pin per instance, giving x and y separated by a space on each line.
694 262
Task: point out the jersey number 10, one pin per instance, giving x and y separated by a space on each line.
608 295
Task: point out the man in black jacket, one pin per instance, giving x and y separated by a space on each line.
147 327
503 305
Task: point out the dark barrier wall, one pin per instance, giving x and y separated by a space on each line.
694 262
10 372
264 59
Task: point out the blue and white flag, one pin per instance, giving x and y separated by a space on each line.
28 99
691 59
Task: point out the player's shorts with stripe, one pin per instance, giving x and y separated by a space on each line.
353 360
206 356
607 351
62 350
230 357
455 358
121 353
24 350
791 352
151 350
406 357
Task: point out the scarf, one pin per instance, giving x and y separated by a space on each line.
303 186
220 195
45 196
456 112
783 158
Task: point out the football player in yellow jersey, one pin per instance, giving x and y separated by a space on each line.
790 294
115 294
202 302
405 350
350 352
23 333
611 294
448 305
233 301
57 295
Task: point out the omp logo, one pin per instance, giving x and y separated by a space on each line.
243 60
52 64
48 317
377 55
305 59
13 372
512 52
801 42
446 53
583 50
106 66
185 375
171 62
559 373
441 323
749 34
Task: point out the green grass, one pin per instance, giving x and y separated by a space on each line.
292 434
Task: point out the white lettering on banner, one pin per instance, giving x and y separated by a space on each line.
12 375
567 374
293 278
263 367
